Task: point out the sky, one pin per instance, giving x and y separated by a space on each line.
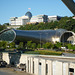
18 8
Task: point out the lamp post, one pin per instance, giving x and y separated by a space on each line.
47 36
40 40
63 40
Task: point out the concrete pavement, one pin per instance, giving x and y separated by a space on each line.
9 71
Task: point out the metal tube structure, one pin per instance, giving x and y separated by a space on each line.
38 36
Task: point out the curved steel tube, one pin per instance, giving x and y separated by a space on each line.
35 35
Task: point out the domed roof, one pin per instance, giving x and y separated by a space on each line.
60 31
29 14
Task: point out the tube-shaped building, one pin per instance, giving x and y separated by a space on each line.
42 36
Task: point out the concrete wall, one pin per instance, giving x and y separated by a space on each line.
39 66
36 67
50 70
59 68
32 65
5 57
23 59
43 68
65 68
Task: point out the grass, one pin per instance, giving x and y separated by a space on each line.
44 52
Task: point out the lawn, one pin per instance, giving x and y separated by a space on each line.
44 52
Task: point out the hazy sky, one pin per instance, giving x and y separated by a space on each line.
18 8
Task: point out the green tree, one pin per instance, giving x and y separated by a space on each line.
2 27
73 47
29 44
69 46
12 45
49 45
0 44
38 46
33 45
44 46
7 24
3 44
20 45
25 46
58 45
64 23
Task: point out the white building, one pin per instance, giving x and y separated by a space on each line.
16 22
21 20
39 18
53 18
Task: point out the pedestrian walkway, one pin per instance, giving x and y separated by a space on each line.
9 71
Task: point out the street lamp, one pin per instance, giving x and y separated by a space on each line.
47 37
40 40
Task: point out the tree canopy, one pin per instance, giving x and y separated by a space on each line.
2 27
65 23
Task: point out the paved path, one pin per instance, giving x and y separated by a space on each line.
9 71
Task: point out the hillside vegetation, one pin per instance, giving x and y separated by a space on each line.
65 23
2 27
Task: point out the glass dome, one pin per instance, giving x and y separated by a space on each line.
29 14
8 35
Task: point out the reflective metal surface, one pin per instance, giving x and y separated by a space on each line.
60 35
37 35
29 14
7 35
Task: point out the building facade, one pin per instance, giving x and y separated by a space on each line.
19 20
29 19
53 18
39 18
